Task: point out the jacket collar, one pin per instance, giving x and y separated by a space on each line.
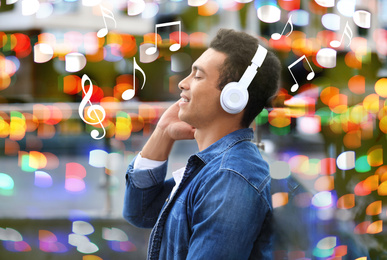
225 143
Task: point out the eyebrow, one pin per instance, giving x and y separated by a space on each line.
196 67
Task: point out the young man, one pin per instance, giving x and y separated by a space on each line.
219 205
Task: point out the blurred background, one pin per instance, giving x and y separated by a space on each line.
83 83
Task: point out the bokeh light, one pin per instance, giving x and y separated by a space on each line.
75 62
280 199
48 242
326 3
362 18
346 201
279 170
324 142
346 7
75 173
136 7
97 158
6 182
43 53
197 2
209 8
322 199
346 160
82 228
331 21
300 17
269 13
42 179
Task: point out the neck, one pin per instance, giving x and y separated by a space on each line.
208 135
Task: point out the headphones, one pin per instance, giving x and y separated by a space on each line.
234 95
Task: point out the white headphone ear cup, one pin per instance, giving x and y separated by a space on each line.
233 98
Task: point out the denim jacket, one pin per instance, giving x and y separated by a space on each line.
221 210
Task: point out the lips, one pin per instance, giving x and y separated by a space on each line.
184 98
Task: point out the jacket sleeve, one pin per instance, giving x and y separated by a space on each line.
227 221
145 194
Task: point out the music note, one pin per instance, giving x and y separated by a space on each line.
277 36
129 93
308 77
347 32
109 14
93 108
173 47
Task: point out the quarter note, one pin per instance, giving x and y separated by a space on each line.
109 14
347 32
173 47
129 93
93 108
308 77
277 36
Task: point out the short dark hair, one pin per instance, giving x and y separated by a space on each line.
240 48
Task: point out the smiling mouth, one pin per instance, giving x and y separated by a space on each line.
183 101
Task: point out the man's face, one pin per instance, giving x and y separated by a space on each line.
200 103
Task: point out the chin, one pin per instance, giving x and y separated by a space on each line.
183 117
179 115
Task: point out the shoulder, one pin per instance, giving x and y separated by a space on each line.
240 168
245 160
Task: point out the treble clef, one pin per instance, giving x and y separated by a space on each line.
93 108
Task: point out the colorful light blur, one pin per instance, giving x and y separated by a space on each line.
48 242
118 240
6 184
13 240
42 179
75 173
345 107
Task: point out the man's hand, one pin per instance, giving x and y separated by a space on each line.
173 127
169 129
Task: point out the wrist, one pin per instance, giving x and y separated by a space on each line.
159 145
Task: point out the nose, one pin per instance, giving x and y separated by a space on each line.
183 84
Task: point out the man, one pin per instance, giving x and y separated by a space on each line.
219 206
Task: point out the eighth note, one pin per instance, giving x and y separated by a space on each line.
109 14
277 36
92 108
347 32
129 93
173 47
308 77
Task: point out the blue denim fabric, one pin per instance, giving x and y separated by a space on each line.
223 211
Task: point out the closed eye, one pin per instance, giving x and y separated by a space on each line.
198 72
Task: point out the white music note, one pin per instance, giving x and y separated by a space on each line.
93 108
308 77
347 32
277 36
109 14
173 47
129 93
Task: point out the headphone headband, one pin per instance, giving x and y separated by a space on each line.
259 56
251 70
